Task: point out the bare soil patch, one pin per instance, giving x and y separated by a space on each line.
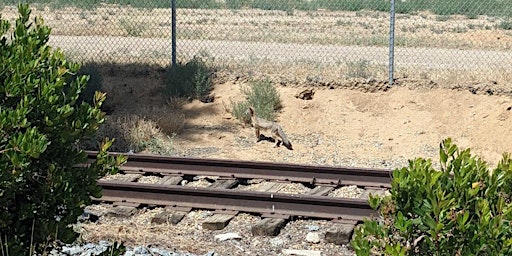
354 123
348 127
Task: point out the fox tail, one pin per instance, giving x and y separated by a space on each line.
283 136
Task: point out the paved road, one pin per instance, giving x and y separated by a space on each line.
132 47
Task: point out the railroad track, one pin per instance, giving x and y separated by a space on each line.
227 191
221 197
314 175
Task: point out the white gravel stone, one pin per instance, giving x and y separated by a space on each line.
313 237
313 227
276 241
347 192
227 236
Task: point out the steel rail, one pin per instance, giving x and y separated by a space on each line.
325 175
235 200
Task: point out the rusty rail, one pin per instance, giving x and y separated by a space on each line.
325 175
236 200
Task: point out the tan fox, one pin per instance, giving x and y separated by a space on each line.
275 129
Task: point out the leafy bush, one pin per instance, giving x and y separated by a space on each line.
93 84
190 80
42 190
462 209
262 96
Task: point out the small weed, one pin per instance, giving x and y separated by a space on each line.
424 15
505 25
408 29
144 135
365 25
343 23
133 28
460 29
359 69
437 30
262 96
175 102
442 17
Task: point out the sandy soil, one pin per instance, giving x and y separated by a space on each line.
353 124
349 127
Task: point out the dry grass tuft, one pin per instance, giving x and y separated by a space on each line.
148 131
176 102
168 120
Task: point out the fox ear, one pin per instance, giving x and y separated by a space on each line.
251 110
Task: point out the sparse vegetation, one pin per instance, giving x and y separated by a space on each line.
133 28
442 17
359 69
462 209
145 135
150 130
469 8
262 96
505 24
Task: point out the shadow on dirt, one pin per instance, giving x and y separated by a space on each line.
140 104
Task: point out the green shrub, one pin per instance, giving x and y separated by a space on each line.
239 111
93 84
262 96
461 209
42 190
190 80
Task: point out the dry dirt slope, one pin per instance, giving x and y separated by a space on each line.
348 127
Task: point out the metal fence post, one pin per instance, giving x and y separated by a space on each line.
173 33
391 42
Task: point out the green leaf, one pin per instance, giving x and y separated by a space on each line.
374 201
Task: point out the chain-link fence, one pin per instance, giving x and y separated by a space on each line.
293 40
